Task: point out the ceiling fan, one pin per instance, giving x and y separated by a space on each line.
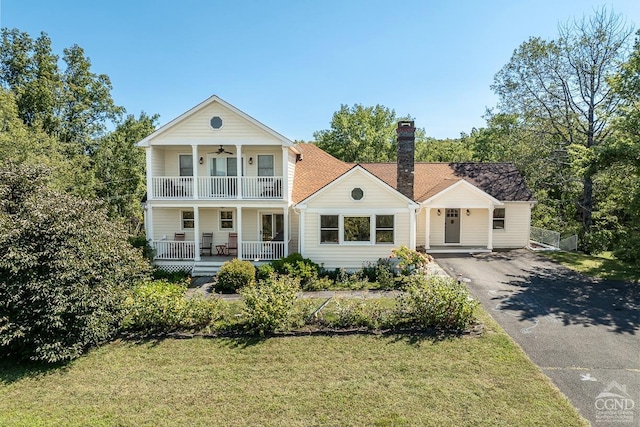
222 150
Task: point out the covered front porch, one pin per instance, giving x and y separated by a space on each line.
202 233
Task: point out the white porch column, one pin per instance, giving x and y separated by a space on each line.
412 228
148 221
239 229
427 228
240 183
196 232
301 232
195 159
490 242
285 173
285 219
149 158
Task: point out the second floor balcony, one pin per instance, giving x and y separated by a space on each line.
217 187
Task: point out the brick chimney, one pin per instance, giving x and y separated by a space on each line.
406 149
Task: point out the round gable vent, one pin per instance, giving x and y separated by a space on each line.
216 122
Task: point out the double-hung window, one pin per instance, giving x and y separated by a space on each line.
498 218
329 229
187 220
226 220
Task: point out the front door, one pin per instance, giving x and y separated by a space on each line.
452 226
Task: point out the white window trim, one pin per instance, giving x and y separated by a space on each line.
233 220
372 228
357 200
504 219
182 220
185 154
257 163
215 129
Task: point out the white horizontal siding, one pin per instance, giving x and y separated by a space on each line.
376 194
474 228
516 223
196 127
350 255
166 222
421 227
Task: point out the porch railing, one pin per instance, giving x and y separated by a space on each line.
258 251
252 251
169 249
217 187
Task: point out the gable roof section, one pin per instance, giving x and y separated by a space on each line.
471 187
213 99
316 170
501 181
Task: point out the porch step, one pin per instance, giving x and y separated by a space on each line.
206 268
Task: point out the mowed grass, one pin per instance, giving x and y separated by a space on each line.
352 380
604 265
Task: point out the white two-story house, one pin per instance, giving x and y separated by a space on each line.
222 185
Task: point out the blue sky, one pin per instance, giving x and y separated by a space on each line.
291 64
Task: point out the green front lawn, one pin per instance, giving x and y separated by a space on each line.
604 265
360 380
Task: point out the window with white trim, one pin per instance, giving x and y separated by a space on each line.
357 228
498 218
186 164
266 164
384 229
329 229
226 220
349 229
187 220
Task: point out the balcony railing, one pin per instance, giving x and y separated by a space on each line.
217 187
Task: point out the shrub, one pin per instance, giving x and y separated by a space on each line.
234 275
270 304
295 265
64 271
170 276
161 306
143 244
439 302
358 313
410 260
381 272
264 271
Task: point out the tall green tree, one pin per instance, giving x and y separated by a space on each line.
624 155
120 168
360 134
559 89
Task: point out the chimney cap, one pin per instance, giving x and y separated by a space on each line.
406 123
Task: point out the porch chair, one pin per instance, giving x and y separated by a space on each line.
232 245
207 243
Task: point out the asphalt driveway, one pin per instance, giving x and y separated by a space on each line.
582 332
